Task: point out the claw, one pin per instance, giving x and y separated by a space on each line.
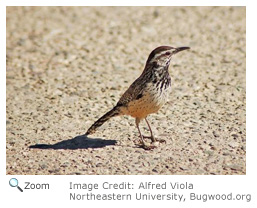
147 147
154 139
149 137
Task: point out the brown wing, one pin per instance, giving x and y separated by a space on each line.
134 92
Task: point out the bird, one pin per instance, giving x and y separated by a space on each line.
147 94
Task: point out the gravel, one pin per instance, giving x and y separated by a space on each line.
66 66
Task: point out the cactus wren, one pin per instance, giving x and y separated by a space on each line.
147 94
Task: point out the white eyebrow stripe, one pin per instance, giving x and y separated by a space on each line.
159 54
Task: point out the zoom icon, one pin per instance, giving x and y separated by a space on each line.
14 183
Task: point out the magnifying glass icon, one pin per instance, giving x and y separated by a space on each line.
14 183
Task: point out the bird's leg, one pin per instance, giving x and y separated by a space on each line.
140 135
152 136
146 147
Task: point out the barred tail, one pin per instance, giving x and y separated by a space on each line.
114 112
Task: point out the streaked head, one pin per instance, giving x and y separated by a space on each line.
162 55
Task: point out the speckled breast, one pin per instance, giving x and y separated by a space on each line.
153 98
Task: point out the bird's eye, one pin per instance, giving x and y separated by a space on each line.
167 53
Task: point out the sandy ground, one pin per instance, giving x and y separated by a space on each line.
66 66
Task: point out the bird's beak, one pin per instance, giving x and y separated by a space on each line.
181 49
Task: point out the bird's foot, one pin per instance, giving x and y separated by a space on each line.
147 147
147 137
154 140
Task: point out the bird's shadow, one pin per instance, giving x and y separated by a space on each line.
78 142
